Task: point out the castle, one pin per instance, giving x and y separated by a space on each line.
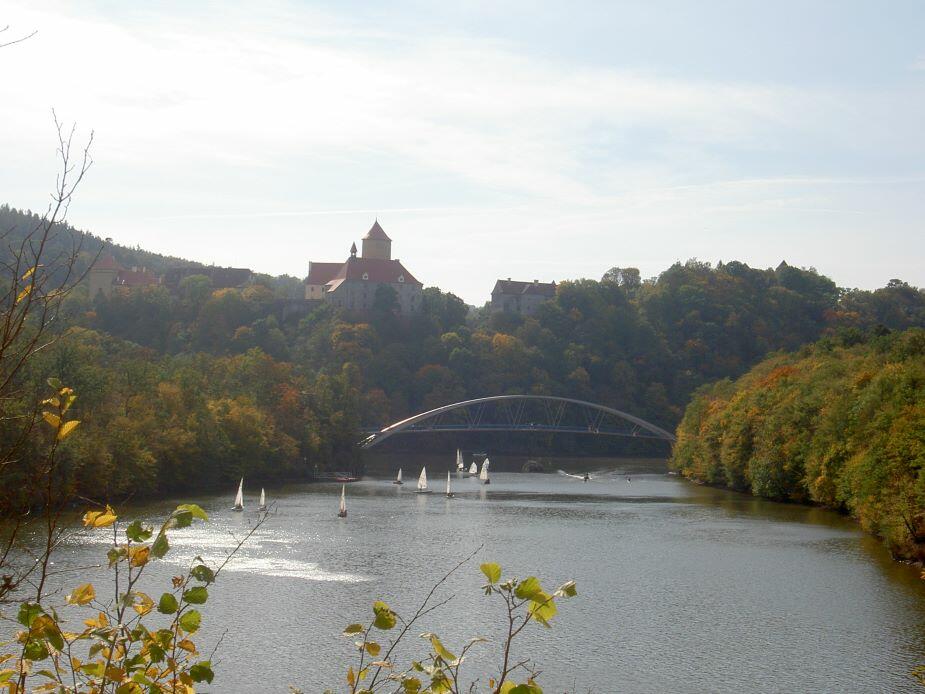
352 284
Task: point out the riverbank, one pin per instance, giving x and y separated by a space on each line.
841 426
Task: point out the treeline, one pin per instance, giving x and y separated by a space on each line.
840 423
168 381
638 346
153 424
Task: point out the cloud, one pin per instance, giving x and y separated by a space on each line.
213 120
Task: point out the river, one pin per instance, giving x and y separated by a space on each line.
681 588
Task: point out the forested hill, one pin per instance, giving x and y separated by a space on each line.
194 387
839 423
16 224
637 346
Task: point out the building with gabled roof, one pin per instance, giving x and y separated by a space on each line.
516 296
107 274
352 284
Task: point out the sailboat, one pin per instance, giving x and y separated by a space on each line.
460 465
483 475
397 480
342 513
449 494
473 469
239 497
422 482
263 500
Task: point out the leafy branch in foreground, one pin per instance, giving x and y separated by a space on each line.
439 671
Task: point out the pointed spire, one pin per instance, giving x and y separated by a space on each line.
353 250
376 232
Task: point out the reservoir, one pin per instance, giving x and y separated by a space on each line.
681 588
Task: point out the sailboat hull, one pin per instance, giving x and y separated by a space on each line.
423 491
397 482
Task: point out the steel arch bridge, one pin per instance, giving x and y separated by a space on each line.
524 413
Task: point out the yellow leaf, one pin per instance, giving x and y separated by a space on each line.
52 419
28 274
81 595
100 519
138 556
187 645
67 428
351 678
24 293
144 605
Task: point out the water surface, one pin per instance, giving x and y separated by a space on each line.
681 588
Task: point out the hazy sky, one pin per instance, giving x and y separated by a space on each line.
492 139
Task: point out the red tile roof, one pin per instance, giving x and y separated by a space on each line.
137 278
322 273
375 269
106 262
376 232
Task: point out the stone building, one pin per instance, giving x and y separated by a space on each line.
515 296
352 284
106 275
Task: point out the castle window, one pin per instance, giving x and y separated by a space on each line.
401 278
365 275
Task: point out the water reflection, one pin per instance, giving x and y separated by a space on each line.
682 588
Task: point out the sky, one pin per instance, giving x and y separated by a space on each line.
494 139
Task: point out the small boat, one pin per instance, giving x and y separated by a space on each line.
239 497
473 469
449 494
483 475
397 480
460 465
263 500
344 477
342 513
422 482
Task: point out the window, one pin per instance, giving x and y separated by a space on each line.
365 275
401 278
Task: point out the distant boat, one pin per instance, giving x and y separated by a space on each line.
460 465
483 475
342 513
422 482
239 497
473 469
449 494
263 500
344 477
397 480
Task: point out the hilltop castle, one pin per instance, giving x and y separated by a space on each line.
352 284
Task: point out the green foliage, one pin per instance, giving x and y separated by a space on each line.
117 650
842 426
440 670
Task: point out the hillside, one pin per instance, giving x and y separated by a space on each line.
193 386
839 423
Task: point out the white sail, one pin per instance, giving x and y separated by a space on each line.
343 499
460 465
398 479
263 498
239 497
422 480
447 484
483 475
473 469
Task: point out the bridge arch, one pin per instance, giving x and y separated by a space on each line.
510 413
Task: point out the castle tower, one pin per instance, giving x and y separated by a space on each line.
103 275
376 244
